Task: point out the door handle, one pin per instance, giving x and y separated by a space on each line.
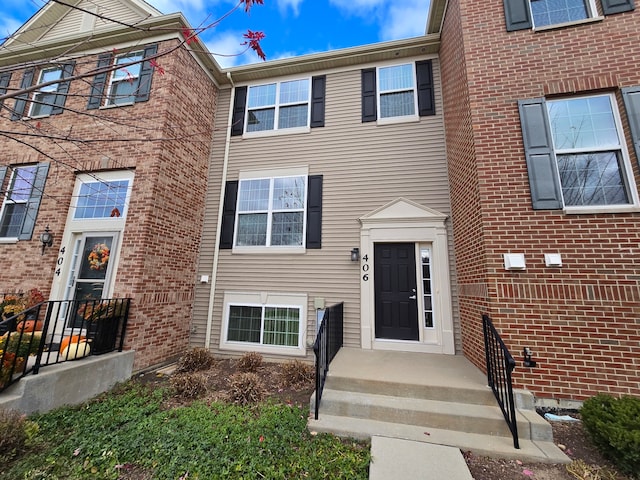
412 297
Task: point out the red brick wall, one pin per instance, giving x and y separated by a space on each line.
169 155
581 320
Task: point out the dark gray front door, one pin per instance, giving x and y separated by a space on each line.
396 307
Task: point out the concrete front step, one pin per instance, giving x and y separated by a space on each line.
478 444
462 417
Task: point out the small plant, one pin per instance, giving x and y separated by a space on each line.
249 362
296 373
189 385
15 433
246 388
614 427
195 360
581 471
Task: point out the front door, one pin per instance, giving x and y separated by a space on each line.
396 306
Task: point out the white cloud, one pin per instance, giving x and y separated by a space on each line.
408 20
8 26
294 4
358 7
227 49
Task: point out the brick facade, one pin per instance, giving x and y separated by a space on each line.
166 142
580 320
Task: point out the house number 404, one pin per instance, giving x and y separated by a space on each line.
365 268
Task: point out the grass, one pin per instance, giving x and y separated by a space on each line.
129 434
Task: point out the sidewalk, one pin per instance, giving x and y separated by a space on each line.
393 458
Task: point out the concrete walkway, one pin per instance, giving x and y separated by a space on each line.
393 458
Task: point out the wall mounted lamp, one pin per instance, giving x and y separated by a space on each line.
355 254
528 362
46 238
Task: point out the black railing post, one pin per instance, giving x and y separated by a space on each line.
328 343
500 365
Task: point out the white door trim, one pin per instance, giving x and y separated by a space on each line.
405 221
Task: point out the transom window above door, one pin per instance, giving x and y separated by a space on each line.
277 106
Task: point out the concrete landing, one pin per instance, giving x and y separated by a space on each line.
408 460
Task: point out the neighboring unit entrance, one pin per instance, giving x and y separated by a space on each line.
396 306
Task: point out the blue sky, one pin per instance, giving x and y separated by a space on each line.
292 27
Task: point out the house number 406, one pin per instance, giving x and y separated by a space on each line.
365 268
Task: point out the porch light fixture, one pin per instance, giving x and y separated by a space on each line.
355 254
528 361
46 238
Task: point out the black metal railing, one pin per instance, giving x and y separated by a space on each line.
500 365
59 330
326 346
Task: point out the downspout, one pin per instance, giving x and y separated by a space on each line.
216 247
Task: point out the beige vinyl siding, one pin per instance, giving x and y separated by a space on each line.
364 166
72 22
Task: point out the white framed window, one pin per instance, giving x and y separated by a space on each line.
125 81
278 106
590 152
271 212
397 91
264 322
16 200
555 12
103 195
43 100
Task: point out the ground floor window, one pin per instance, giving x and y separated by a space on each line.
265 325
264 322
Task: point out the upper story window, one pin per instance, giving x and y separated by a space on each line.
525 14
130 83
21 201
277 106
576 154
44 98
125 81
102 199
288 106
393 92
271 212
50 98
397 91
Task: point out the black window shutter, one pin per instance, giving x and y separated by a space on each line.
544 182
3 173
99 81
369 100
424 77
631 97
33 204
63 89
146 75
229 214
239 104
21 101
610 7
5 78
314 212
318 87
517 15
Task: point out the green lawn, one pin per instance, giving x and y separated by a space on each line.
128 434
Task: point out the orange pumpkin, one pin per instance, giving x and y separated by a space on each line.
30 326
70 339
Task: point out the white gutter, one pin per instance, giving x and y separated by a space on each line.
216 247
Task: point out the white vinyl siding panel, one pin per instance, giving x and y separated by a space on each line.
364 166
73 21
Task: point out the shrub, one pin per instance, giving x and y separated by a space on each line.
189 385
296 373
195 360
249 362
15 433
22 344
614 427
246 388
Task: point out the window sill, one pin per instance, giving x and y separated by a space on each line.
117 105
397 120
568 24
8 240
266 349
276 133
603 209
268 250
